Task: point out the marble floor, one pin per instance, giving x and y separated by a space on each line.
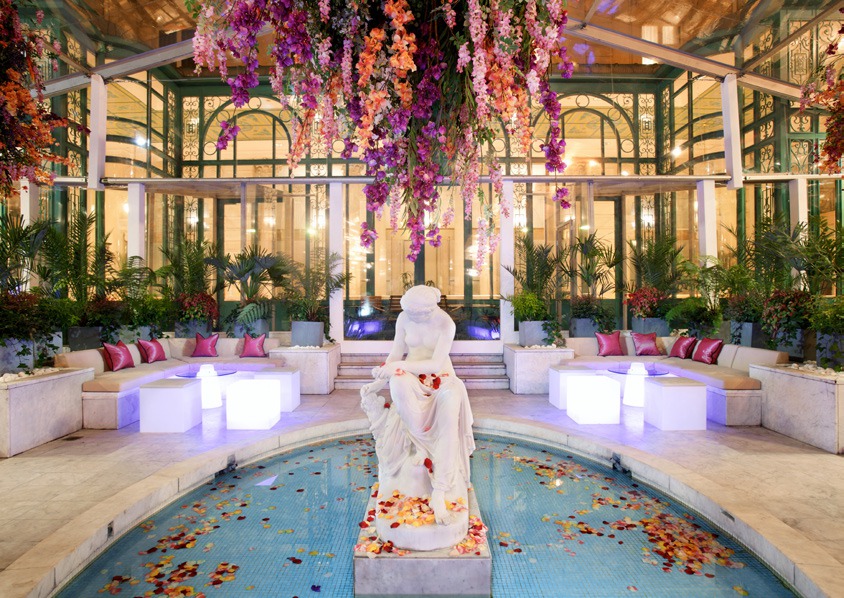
788 492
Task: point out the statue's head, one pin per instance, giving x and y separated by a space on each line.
419 302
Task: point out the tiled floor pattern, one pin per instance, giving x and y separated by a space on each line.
558 526
796 489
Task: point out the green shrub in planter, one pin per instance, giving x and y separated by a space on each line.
696 315
527 307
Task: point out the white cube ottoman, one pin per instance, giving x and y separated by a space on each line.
594 400
253 404
290 384
558 377
170 405
675 403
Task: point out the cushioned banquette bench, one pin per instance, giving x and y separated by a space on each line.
111 399
733 398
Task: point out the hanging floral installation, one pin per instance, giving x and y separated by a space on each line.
26 122
419 89
827 92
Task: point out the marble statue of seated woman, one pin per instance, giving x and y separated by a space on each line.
423 434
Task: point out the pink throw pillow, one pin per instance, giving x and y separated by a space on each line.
645 344
118 357
253 347
205 347
609 344
707 350
151 351
683 347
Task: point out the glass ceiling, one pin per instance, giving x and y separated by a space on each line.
713 28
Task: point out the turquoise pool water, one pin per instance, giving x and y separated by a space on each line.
558 526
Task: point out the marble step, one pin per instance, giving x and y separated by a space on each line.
471 382
364 370
456 358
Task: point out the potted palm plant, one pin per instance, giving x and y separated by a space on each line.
594 265
306 292
538 279
142 314
254 273
20 325
700 313
71 265
185 283
659 267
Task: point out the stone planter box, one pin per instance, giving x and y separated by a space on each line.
318 366
256 328
830 350
80 338
583 327
131 335
748 334
528 368
648 325
802 405
190 328
801 347
307 334
41 408
531 333
11 361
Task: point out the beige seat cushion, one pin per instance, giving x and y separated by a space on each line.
751 355
126 379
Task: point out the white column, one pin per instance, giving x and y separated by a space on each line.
97 136
732 131
798 201
707 227
243 202
137 219
30 201
336 244
507 258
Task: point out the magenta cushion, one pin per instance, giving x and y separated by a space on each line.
151 351
707 350
645 344
683 347
118 357
609 344
253 347
205 347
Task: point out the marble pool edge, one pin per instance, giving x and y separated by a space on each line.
46 567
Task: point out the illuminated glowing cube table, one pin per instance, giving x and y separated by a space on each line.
558 378
289 385
253 404
635 374
594 400
675 403
214 381
170 405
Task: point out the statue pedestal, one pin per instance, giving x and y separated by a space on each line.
430 573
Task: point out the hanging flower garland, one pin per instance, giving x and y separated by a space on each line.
418 89
827 92
26 123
